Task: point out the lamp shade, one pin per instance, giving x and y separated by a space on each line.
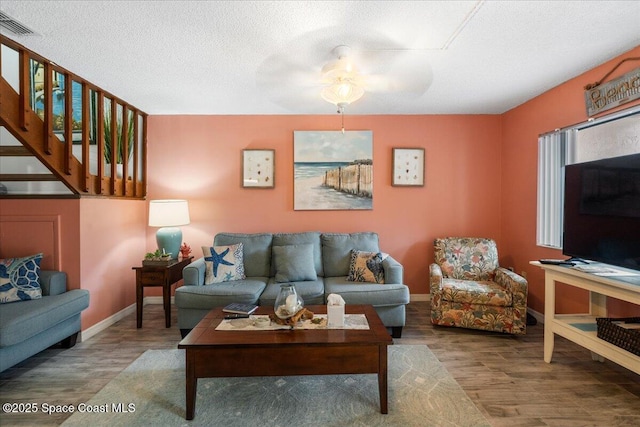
169 214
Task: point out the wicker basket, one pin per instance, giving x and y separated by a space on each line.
628 339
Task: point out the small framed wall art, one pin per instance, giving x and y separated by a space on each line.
258 168
408 167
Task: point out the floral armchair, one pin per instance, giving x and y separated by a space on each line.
470 290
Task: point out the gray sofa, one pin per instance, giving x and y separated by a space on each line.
28 327
331 259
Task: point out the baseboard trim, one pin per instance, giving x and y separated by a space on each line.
420 297
155 300
539 316
104 324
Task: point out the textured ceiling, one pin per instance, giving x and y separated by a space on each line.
263 57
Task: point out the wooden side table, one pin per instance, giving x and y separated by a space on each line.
154 276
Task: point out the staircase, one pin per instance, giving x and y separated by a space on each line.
59 133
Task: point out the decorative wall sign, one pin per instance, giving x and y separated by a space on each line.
611 94
333 170
258 168
408 167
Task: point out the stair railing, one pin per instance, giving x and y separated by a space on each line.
40 114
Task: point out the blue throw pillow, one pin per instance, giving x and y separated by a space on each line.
19 279
294 263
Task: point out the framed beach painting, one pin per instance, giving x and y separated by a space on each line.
258 168
333 170
408 167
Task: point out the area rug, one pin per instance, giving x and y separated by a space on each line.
151 392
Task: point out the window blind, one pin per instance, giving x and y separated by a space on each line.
552 155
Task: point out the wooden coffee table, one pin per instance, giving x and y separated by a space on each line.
211 353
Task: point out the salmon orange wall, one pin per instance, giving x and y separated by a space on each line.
99 240
559 107
198 158
112 241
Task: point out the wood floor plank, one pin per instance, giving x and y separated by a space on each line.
505 376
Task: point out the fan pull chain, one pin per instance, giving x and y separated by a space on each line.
341 112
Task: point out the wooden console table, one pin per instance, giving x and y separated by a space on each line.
158 276
580 328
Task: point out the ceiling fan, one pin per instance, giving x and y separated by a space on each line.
370 70
341 81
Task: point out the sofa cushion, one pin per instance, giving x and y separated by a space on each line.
367 293
481 292
366 267
19 279
256 251
294 263
337 247
309 237
23 320
220 294
223 263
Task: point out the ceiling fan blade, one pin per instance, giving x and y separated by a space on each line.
281 70
289 83
410 84
407 72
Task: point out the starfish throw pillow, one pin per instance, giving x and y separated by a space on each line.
223 263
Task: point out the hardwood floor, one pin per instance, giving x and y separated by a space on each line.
504 376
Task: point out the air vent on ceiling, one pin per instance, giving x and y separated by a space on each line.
14 26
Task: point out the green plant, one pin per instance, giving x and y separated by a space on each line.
108 141
152 255
157 256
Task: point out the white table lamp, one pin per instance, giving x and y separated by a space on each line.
169 214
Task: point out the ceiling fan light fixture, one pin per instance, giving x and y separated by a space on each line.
342 92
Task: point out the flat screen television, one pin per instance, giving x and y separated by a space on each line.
602 211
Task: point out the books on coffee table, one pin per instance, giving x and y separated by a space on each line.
240 308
